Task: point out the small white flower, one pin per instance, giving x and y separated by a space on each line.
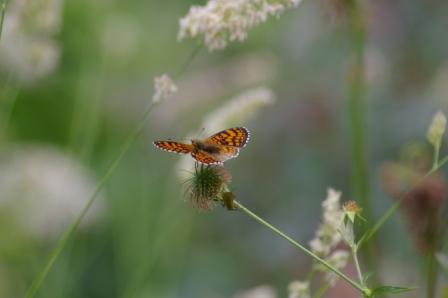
436 129
327 235
163 87
299 289
224 21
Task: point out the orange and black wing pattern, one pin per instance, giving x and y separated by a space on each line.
228 152
205 158
234 137
172 146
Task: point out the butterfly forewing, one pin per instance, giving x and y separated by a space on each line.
235 137
172 146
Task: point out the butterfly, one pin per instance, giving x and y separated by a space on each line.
214 150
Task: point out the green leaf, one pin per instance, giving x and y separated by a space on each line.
385 290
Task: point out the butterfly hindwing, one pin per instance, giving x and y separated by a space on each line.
235 137
205 158
172 146
228 152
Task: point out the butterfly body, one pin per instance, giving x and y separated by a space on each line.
216 149
206 147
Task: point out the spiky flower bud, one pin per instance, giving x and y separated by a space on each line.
351 210
208 185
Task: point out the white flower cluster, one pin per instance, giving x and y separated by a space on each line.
224 21
163 88
299 289
328 236
28 49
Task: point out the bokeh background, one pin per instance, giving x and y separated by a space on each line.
75 77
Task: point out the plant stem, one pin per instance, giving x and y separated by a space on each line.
441 163
37 282
436 156
354 249
302 248
356 105
2 17
431 275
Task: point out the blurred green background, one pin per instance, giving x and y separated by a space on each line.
75 77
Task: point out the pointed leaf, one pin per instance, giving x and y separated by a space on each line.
386 290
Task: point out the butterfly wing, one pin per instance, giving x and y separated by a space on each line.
172 146
206 158
228 152
234 137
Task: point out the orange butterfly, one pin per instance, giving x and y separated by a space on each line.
216 149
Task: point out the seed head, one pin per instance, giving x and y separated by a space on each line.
207 185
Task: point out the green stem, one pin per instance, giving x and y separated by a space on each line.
435 164
441 163
431 275
302 248
354 249
37 282
2 17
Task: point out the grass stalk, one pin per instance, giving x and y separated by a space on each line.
356 108
354 249
431 274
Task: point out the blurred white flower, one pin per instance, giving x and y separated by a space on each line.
29 59
235 112
263 291
328 235
224 21
45 189
238 109
299 289
163 87
28 50
436 129
339 259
